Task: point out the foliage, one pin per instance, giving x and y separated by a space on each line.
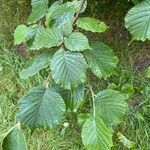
73 56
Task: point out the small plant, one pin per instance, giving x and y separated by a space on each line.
68 55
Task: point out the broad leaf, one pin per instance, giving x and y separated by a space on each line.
64 23
91 24
77 42
127 90
137 21
32 31
110 106
57 10
77 4
68 68
101 59
78 97
19 35
15 140
41 107
96 136
39 10
47 38
40 62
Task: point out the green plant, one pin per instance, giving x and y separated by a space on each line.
64 89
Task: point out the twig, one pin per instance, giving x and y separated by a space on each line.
46 82
93 100
78 13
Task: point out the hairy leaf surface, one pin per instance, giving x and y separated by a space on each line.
47 38
110 106
68 68
95 135
91 24
77 42
41 107
137 21
40 62
101 60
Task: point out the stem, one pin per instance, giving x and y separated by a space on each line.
93 99
78 13
46 82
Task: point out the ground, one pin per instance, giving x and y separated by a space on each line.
134 60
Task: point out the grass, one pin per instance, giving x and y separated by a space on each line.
132 60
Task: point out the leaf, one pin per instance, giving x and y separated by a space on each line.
111 106
68 68
78 97
19 34
40 62
101 60
63 14
148 72
41 107
39 10
77 4
57 10
77 42
96 136
32 31
128 90
47 38
82 118
91 24
15 140
64 23
127 143
137 21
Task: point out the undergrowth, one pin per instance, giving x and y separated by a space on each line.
137 123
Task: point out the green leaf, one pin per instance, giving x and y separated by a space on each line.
57 10
40 62
15 139
77 42
78 97
148 72
19 35
63 14
82 118
77 4
128 90
96 136
41 107
101 59
68 68
91 24
32 31
137 21
47 38
64 23
111 106
39 10
127 143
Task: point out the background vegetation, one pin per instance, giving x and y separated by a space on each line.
134 60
